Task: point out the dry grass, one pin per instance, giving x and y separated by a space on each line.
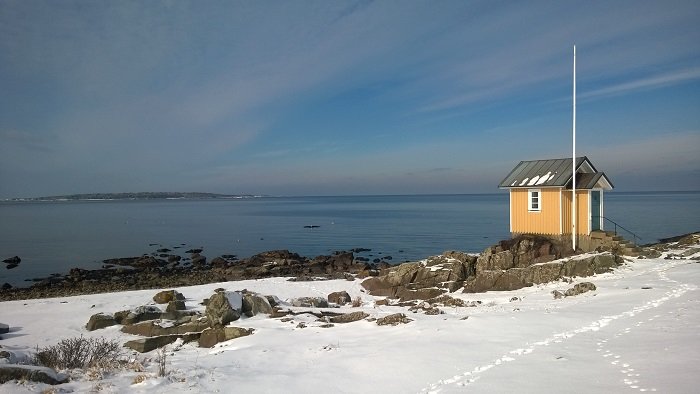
139 379
357 302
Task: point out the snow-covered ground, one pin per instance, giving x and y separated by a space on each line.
638 332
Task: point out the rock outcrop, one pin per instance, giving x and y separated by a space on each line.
517 278
425 279
509 265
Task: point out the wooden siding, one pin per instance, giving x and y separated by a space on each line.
546 221
582 219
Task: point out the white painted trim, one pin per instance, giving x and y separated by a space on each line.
510 204
561 214
590 214
602 212
539 200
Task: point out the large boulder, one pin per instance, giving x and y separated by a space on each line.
224 307
212 336
253 304
100 320
339 298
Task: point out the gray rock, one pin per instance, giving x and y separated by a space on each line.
176 305
253 304
349 317
395 319
141 313
147 344
31 373
557 294
198 259
12 260
100 320
166 296
212 336
448 271
224 307
580 288
7 356
310 302
151 329
339 297
419 294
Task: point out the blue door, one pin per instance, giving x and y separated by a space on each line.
595 210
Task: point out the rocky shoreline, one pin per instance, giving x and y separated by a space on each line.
509 265
161 269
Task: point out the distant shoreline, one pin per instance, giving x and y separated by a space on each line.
135 196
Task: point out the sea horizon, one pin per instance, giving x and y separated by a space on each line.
253 195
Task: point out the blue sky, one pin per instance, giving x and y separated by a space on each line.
342 97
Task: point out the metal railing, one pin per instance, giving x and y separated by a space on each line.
634 236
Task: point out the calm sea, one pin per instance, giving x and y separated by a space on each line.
52 237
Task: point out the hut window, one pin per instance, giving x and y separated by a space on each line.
533 197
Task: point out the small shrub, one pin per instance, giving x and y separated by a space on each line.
79 352
162 359
357 302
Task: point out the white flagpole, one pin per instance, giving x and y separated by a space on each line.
573 165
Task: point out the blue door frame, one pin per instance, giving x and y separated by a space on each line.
596 204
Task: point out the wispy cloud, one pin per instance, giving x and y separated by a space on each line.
651 82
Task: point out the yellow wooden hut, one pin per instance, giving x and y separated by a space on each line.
541 198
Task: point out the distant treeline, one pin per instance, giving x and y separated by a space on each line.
135 196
